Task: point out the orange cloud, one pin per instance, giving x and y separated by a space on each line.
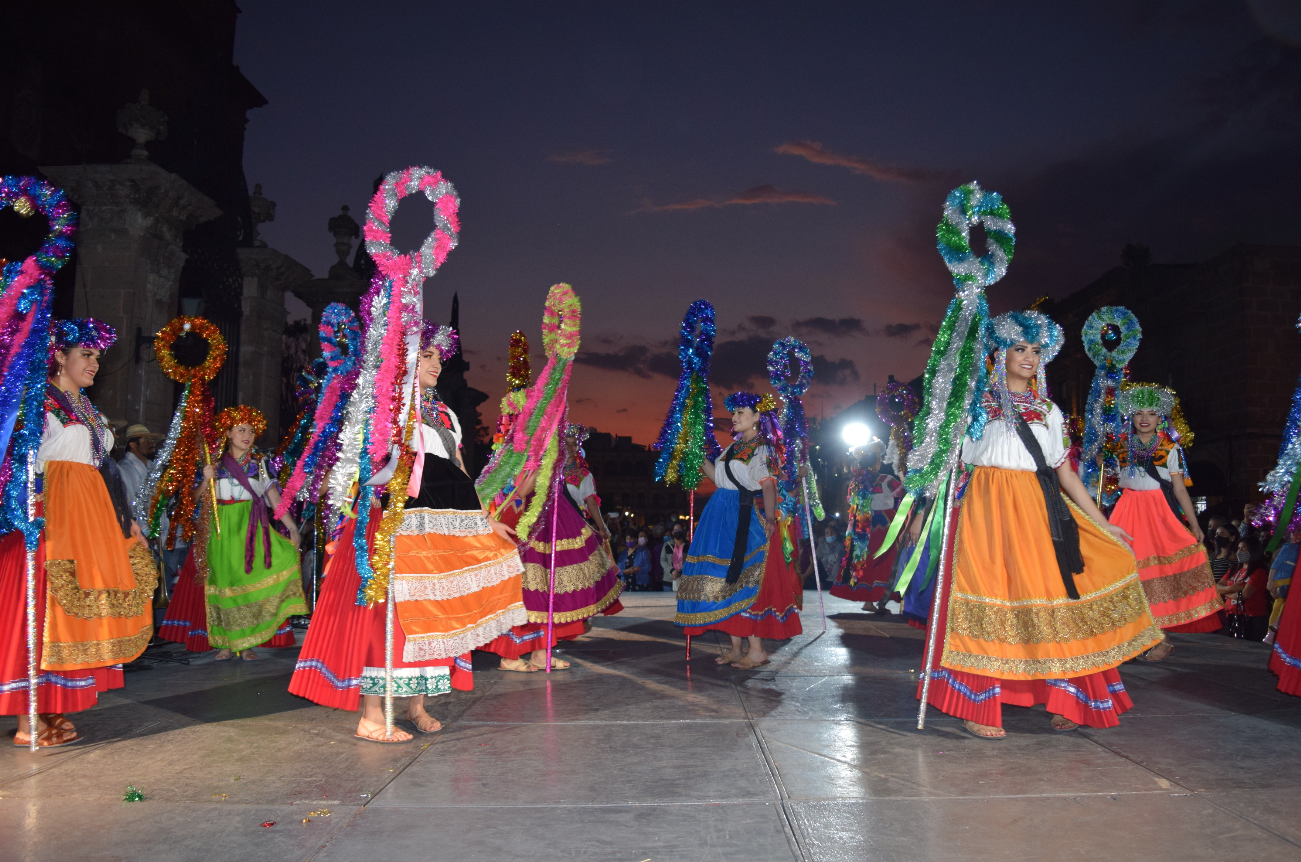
582 157
758 195
818 154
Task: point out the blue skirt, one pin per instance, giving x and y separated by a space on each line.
704 595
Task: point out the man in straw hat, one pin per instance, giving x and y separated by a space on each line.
141 444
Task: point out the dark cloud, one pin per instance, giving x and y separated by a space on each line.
622 410
765 194
839 328
636 359
743 362
582 157
839 372
762 322
818 154
899 330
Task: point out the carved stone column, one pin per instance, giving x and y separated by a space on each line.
268 275
344 285
132 219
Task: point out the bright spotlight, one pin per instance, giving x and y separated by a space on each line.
857 434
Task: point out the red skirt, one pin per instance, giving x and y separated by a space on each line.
1285 660
1093 700
775 612
867 578
186 621
60 691
345 638
522 640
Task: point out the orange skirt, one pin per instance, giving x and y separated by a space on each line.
457 583
1008 614
101 586
1173 565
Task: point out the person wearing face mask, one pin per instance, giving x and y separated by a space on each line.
637 561
1155 509
1246 601
673 554
1224 543
830 553
95 577
1044 601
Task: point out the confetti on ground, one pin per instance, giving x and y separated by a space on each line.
320 812
133 795
221 796
267 824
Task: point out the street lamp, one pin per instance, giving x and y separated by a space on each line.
857 434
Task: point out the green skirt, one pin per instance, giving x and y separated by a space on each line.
245 609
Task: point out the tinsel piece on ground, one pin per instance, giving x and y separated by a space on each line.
26 296
1103 423
340 336
530 444
175 476
133 795
955 372
687 437
795 430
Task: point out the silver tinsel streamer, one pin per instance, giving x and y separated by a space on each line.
945 374
361 405
145 494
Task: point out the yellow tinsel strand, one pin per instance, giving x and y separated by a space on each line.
381 559
541 490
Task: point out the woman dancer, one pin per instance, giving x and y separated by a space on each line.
1153 507
95 577
254 580
1045 599
724 584
873 497
587 580
457 588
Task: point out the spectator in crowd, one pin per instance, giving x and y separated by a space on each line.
1212 524
673 555
1223 543
1245 528
134 466
831 550
1280 578
1246 600
657 570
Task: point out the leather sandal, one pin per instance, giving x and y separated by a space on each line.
985 731
747 664
57 719
1061 722
727 658
50 737
377 736
518 665
423 722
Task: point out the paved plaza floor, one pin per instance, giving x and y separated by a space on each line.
636 755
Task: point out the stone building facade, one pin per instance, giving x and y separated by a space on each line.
624 473
1222 334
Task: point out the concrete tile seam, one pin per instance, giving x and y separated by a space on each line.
69 756
793 838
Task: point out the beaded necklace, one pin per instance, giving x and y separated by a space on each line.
83 413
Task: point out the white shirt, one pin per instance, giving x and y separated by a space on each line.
231 489
582 490
998 448
134 471
748 473
1136 478
70 443
432 443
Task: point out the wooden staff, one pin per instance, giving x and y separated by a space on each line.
212 485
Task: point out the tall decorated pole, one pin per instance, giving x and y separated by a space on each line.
797 490
1103 421
954 380
1283 482
26 298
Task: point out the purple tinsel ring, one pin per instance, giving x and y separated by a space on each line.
779 367
896 404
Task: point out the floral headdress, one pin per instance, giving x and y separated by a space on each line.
576 466
241 415
82 332
766 406
758 403
1007 330
440 338
1134 397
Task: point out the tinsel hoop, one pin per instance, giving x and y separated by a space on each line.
338 330
414 267
896 404
560 322
28 196
166 338
966 207
1125 326
779 367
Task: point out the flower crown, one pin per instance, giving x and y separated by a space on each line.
1163 400
241 415
440 338
758 403
82 332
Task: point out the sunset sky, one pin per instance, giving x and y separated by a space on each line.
787 162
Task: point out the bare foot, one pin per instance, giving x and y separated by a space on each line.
728 657
222 655
249 655
518 665
984 731
374 732
557 663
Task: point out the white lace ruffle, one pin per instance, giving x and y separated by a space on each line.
428 647
453 585
444 522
